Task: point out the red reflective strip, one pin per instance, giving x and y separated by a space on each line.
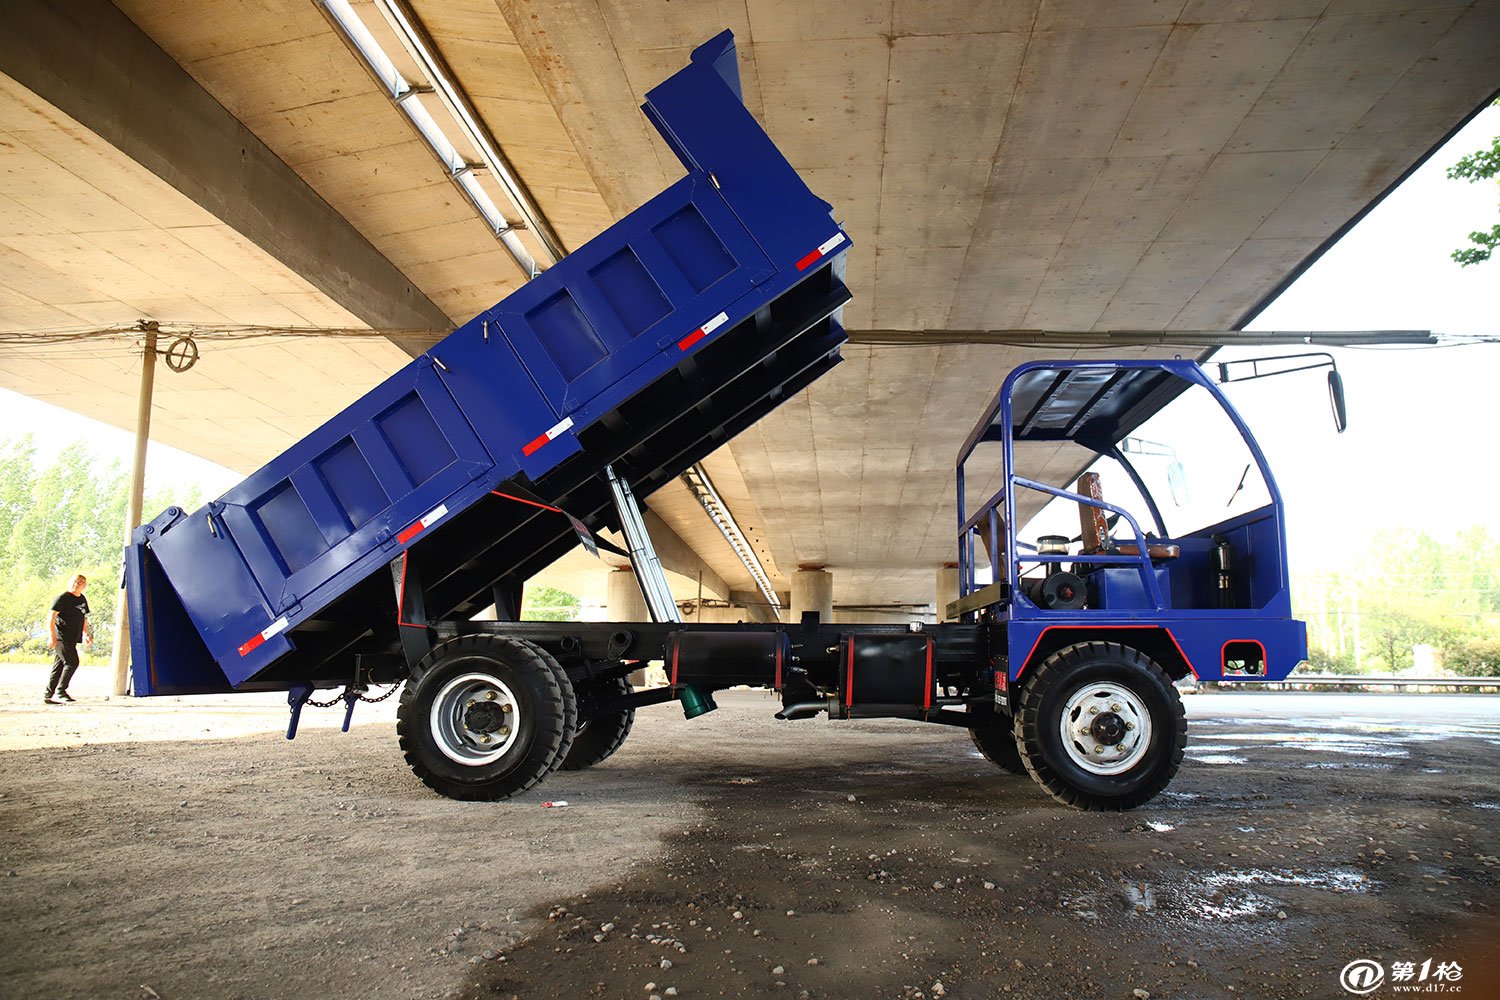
676 645
809 260
544 506
409 532
849 685
540 440
248 647
691 339
928 702
777 685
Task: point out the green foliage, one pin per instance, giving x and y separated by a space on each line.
1481 165
548 604
60 515
1412 590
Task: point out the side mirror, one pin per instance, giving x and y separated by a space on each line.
1336 398
1177 483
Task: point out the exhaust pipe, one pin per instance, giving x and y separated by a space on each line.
806 709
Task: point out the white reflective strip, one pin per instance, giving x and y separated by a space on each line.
275 628
559 427
834 241
715 323
437 514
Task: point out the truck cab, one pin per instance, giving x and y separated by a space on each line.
1178 564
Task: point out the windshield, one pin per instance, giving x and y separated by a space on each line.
1191 459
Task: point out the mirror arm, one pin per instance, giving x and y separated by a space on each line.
1325 360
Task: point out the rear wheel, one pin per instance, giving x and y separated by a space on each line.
1101 726
601 735
484 717
994 735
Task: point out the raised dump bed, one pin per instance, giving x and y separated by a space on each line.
644 350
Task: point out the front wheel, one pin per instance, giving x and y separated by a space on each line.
1101 726
484 717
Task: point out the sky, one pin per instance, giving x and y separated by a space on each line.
1418 453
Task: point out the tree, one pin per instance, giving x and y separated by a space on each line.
56 520
548 604
1481 165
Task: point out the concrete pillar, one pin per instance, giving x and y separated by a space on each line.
812 590
945 587
624 602
622 597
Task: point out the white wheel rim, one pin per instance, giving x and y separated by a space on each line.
474 719
1105 728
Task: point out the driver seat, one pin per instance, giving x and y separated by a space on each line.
1094 525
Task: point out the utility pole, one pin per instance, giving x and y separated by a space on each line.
121 653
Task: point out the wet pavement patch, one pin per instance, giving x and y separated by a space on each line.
857 865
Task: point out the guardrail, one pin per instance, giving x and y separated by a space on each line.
1345 682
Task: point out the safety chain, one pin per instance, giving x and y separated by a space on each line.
394 688
340 697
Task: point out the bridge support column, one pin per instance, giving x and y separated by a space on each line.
812 590
945 589
624 603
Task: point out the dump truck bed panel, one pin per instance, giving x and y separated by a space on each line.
711 302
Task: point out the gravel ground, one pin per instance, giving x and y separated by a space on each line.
180 846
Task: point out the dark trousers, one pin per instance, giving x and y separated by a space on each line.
64 662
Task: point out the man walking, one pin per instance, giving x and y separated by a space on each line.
67 625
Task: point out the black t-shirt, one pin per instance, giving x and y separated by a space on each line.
70 614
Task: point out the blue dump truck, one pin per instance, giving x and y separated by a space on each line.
362 555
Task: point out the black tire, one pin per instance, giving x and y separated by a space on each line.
599 737
1141 709
505 692
994 735
570 704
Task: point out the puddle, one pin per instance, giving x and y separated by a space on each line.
1160 827
1180 796
1487 805
744 781
1346 765
1241 895
1352 749
1218 758
1334 879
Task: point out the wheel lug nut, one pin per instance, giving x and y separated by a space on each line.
1120 747
1114 708
471 703
1130 725
1098 749
507 708
484 737
1093 710
504 730
489 696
